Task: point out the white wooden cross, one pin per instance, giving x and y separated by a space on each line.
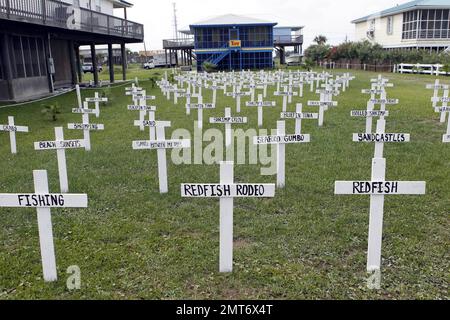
43 201
446 138
237 95
176 93
370 106
214 87
378 188
152 125
285 94
77 89
260 104
228 120
97 101
161 145
60 145
133 92
383 102
252 88
86 127
12 129
142 99
188 95
227 190
444 100
381 83
322 104
380 138
200 106
281 139
436 87
299 116
143 109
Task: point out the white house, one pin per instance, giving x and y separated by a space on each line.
103 6
417 24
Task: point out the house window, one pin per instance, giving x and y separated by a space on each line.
28 57
390 25
426 24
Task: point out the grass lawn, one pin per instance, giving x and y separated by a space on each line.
306 243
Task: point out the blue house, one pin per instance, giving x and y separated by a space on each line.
234 42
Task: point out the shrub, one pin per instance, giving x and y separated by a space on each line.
52 110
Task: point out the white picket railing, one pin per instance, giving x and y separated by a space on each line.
432 69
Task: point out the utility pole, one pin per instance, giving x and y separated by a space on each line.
175 20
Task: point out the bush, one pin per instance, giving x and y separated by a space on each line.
208 67
318 52
369 53
52 110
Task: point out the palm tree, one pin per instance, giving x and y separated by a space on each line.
320 40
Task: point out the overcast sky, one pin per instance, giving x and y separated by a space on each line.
328 17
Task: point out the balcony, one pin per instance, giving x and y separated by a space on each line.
186 43
288 40
54 13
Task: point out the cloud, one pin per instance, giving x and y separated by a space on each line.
328 17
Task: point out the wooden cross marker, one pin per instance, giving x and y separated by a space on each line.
84 110
161 145
228 120
152 125
299 116
176 93
78 91
188 95
446 138
377 188
97 101
370 107
380 138
227 190
143 109
260 104
381 83
323 105
285 94
60 145
12 129
444 100
200 106
43 201
133 92
252 88
436 87
237 95
86 127
383 101
281 139
142 99
214 88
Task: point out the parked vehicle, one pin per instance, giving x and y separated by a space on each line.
149 65
294 60
88 67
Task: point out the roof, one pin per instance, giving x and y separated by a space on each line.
413 5
298 28
121 4
231 20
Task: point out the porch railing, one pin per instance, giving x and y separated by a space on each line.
60 14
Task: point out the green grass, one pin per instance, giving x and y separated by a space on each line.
306 243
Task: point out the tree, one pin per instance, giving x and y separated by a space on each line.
320 40
317 52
